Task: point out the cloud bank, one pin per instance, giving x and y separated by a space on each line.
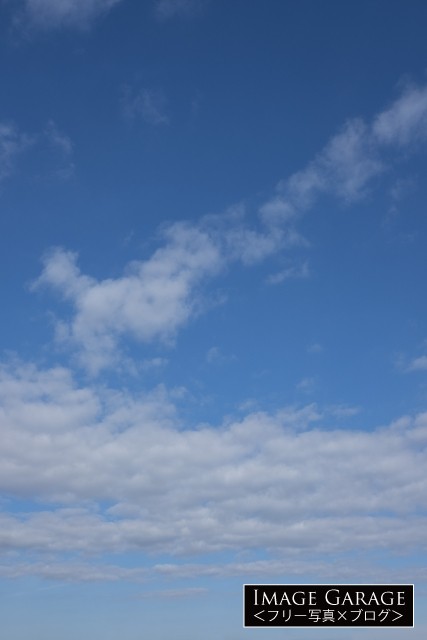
290 482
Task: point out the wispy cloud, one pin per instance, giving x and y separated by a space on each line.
418 364
215 355
315 347
407 364
295 271
147 104
75 571
344 167
58 138
53 14
52 148
154 364
13 143
340 411
350 161
307 385
404 123
166 9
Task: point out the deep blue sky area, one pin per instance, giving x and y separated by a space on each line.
213 346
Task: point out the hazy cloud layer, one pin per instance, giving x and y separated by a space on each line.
345 569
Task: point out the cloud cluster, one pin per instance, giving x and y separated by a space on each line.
151 301
288 482
158 296
155 297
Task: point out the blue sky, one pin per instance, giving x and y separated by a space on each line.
214 344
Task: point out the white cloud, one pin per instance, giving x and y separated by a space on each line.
60 149
158 296
287 482
151 302
50 14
